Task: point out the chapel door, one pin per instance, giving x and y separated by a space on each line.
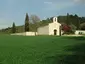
55 32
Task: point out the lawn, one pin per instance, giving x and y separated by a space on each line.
41 50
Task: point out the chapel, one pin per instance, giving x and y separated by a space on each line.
50 29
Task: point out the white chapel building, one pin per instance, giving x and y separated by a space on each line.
50 29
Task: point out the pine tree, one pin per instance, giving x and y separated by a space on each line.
13 28
26 23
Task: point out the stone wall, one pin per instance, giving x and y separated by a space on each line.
26 33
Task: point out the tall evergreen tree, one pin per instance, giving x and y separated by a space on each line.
67 21
26 23
13 28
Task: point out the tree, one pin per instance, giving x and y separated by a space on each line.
68 19
66 29
51 19
77 21
73 28
35 20
82 26
13 28
26 23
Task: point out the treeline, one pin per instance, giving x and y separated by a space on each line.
72 19
34 22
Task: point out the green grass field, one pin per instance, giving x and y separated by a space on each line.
42 50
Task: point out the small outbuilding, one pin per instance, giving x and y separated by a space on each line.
80 32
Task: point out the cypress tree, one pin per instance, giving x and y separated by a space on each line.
26 23
13 28
67 21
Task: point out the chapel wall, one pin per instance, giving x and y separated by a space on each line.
43 30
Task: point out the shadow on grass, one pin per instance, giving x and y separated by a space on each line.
73 55
76 38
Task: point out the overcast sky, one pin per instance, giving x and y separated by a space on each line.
15 10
